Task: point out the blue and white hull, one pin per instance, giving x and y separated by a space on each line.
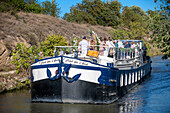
68 80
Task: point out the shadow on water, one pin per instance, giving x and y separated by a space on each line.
152 96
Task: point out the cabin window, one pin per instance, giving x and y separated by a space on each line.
121 80
133 77
129 78
136 75
125 79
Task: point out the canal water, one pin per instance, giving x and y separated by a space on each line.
152 96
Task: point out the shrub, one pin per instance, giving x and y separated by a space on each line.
23 56
49 44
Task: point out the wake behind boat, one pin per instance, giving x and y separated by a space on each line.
73 77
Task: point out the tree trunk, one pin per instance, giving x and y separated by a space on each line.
107 1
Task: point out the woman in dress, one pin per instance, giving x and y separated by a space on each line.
101 48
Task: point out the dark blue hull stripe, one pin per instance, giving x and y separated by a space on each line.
73 66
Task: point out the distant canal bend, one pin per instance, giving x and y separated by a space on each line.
152 96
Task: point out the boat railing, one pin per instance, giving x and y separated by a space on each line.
113 52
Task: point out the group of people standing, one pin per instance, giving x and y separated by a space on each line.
106 45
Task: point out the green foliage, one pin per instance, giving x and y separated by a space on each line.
48 46
50 8
23 56
121 34
34 8
139 11
159 24
134 19
7 5
30 6
164 6
95 12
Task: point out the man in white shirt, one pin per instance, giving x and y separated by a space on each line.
83 46
110 44
120 44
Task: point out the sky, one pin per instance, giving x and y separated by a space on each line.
66 4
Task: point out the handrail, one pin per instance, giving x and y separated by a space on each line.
119 53
94 46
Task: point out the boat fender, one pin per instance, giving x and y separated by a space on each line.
66 73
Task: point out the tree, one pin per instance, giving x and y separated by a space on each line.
51 8
134 19
141 12
160 26
30 1
121 34
165 6
30 6
95 12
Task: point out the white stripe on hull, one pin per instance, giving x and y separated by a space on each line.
86 75
47 61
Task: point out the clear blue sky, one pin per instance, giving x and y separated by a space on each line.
66 4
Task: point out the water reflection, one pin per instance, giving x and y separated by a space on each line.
72 108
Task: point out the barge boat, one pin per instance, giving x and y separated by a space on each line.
71 77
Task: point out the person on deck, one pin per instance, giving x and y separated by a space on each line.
92 43
133 45
127 45
144 50
106 48
116 49
120 44
83 46
116 44
110 47
101 48
111 42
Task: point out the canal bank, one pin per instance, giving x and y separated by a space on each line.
10 81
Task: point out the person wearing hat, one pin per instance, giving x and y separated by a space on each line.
83 46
